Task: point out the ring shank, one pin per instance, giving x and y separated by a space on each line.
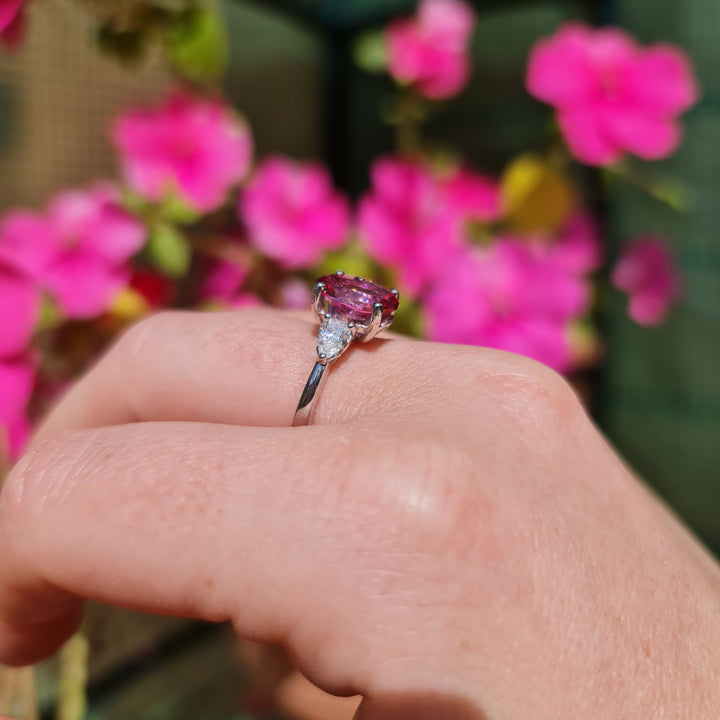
306 406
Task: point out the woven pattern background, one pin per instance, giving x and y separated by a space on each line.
660 390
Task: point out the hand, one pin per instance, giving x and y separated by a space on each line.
451 538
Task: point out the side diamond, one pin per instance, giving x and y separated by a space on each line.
333 337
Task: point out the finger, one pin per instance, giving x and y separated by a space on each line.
249 368
275 529
242 367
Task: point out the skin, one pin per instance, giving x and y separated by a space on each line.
452 538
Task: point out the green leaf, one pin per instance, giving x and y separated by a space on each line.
351 259
50 315
132 202
175 210
197 45
168 250
370 52
537 196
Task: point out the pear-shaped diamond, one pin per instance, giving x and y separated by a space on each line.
333 337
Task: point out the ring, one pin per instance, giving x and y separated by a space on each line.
348 308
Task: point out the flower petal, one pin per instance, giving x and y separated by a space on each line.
84 285
430 50
578 248
476 196
293 213
27 241
646 272
586 137
16 384
559 70
190 145
8 10
19 310
661 81
648 137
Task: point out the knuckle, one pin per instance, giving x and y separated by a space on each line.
535 398
428 504
141 339
136 360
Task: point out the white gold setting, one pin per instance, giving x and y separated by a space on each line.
336 334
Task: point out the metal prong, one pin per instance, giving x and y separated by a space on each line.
374 327
396 293
340 272
317 291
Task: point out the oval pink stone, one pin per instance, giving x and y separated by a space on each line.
353 298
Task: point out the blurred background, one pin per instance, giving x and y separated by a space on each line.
292 71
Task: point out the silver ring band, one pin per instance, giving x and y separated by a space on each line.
305 407
348 309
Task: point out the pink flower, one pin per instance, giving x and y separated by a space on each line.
511 296
223 281
430 50
9 9
578 248
408 222
223 285
78 251
193 146
477 197
19 310
17 377
646 273
612 96
244 300
12 22
292 212
295 294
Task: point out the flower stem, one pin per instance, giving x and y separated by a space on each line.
410 113
667 190
72 700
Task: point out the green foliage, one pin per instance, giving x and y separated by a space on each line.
537 196
370 52
352 260
197 45
50 315
175 210
169 250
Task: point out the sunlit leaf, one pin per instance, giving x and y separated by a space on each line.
197 45
370 52
585 343
129 305
175 210
352 260
169 250
536 195
50 314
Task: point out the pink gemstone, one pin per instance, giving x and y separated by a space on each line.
353 298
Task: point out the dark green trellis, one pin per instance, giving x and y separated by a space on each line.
659 390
